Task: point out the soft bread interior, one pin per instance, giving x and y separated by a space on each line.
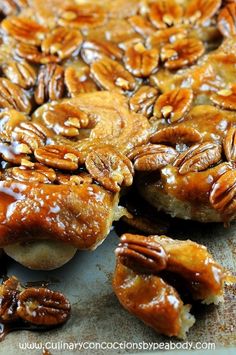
41 254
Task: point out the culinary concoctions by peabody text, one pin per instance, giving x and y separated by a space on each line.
98 98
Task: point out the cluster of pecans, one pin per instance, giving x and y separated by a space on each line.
35 306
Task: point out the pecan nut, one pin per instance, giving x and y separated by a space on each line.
14 152
227 20
41 306
96 49
34 135
142 254
199 157
62 42
141 62
111 75
78 81
182 52
143 100
22 74
174 104
176 135
165 13
50 83
229 144
199 12
33 172
9 291
110 168
141 25
13 96
59 157
223 194
33 54
152 157
225 98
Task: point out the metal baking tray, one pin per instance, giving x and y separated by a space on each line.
96 313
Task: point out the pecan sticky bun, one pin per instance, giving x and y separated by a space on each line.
149 271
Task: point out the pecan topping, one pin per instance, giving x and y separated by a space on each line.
32 134
176 135
141 25
174 104
62 42
9 291
59 157
165 13
182 52
152 157
141 62
229 144
24 29
82 178
142 254
199 157
227 20
82 16
201 11
225 98
168 35
22 74
143 100
13 96
111 75
34 55
96 49
110 168
50 83
41 306
78 81
223 194
14 153
66 119
33 172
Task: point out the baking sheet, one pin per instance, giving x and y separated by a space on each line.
96 313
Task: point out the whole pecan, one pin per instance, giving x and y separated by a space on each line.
225 98
141 62
62 42
174 104
165 13
174 135
182 52
9 291
223 194
13 96
229 144
143 99
78 81
227 20
20 73
41 306
59 157
199 12
152 157
93 50
24 29
111 75
199 157
50 84
110 168
142 254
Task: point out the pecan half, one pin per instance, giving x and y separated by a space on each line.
199 12
50 84
176 135
33 172
227 20
62 42
229 144
142 254
93 50
165 13
225 98
111 75
182 52
82 16
32 134
152 157
22 74
141 62
59 157
33 54
223 194
24 29
199 157
174 104
78 81
41 306
143 100
15 152
9 291
141 25
13 96
168 35
110 168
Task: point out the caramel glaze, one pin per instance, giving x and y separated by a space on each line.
149 298
78 215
